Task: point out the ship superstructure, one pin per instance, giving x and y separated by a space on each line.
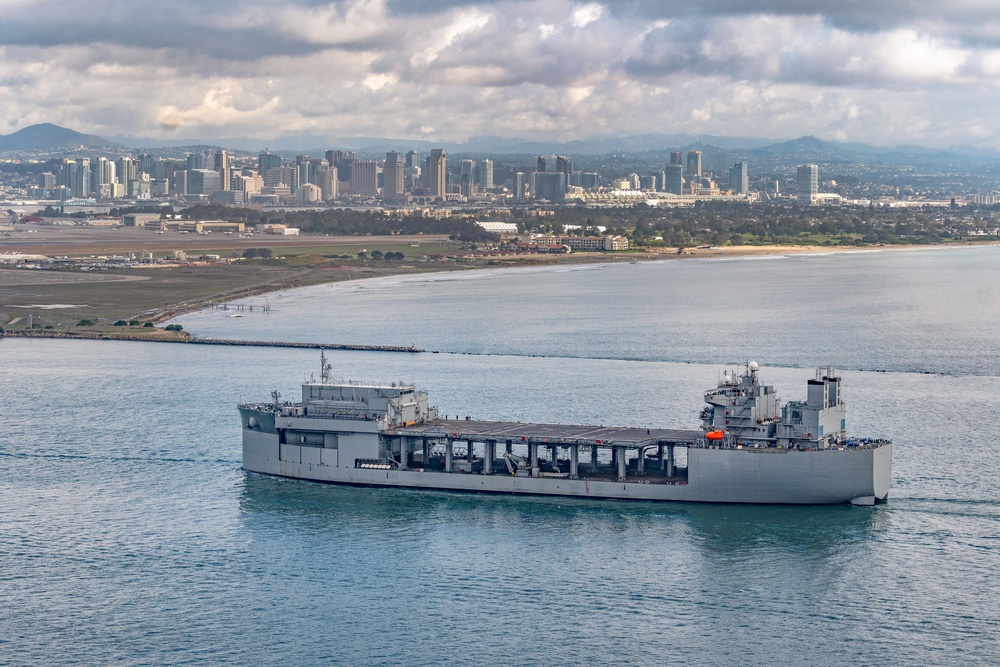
750 449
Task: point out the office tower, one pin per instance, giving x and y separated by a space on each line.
694 164
364 178
392 177
223 168
267 161
565 165
739 179
484 174
342 160
807 180
519 187
413 160
278 176
146 164
126 170
437 178
541 164
550 186
178 183
676 157
203 181
674 178
588 180
74 176
104 173
466 177
46 182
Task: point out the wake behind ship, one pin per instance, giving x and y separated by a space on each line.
749 449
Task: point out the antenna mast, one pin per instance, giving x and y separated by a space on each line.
324 368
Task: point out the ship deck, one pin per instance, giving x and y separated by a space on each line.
549 434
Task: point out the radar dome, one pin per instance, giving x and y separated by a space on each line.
753 366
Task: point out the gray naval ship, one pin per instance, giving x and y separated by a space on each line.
749 449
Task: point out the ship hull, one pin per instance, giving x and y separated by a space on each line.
860 476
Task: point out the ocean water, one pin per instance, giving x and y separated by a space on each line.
130 535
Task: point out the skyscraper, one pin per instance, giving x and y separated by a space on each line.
541 164
222 167
676 157
565 165
739 178
364 178
674 178
694 164
413 160
203 181
266 161
392 177
466 178
807 181
484 174
437 174
550 186
519 187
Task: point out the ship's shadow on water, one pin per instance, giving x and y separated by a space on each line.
722 529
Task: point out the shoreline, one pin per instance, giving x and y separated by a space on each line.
354 272
535 261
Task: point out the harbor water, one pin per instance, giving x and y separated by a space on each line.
130 535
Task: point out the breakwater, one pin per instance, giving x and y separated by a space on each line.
87 335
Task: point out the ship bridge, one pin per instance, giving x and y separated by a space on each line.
627 447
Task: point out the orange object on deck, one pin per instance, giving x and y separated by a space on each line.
715 435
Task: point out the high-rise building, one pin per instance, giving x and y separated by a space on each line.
541 164
276 176
565 165
676 157
694 164
364 178
484 174
466 177
413 160
807 182
222 167
519 187
74 176
267 161
104 173
588 180
46 183
739 179
325 177
126 170
203 181
146 164
550 186
673 181
392 177
437 175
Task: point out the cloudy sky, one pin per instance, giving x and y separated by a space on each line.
878 71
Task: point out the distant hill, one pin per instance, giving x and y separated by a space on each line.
49 138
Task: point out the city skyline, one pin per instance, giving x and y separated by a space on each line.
895 73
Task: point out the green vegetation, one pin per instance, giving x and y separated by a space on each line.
173 327
732 223
257 253
346 222
85 323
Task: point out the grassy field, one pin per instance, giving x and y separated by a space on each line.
61 299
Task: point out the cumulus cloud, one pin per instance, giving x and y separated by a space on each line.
893 71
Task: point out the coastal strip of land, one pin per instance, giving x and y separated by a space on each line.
190 340
129 303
